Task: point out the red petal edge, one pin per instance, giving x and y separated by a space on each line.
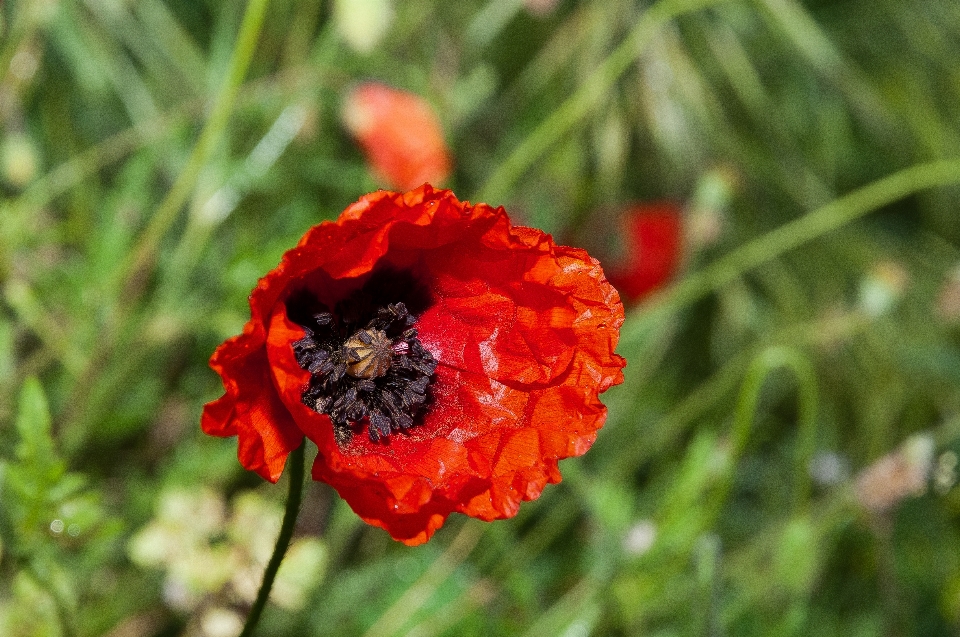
524 331
250 409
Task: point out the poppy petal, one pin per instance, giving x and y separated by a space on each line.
251 409
653 234
522 331
400 135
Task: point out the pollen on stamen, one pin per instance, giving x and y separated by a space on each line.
367 366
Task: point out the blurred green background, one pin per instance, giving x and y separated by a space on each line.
782 457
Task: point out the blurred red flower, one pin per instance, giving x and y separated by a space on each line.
400 135
652 235
440 358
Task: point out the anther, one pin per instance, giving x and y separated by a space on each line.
366 366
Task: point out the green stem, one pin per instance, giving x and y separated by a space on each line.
294 498
760 369
63 610
708 558
822 221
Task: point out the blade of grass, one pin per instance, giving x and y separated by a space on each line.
178 46
141 258
110 59
478 596
802 29
587 97
400 612
578 603
760 369
821 221
28 307
166 213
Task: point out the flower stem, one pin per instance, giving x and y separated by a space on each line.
294 497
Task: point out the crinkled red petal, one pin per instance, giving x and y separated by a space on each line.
524 332
251 409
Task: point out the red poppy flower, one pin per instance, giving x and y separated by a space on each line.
652 235
440 358
399 133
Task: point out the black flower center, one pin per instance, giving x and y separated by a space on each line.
366 364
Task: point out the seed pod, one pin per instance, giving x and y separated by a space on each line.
368 353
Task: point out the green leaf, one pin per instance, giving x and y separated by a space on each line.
33 423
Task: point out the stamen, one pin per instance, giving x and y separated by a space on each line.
366 364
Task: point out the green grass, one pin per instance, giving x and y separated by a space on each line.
822 137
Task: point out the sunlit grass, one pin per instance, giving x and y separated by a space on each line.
157 158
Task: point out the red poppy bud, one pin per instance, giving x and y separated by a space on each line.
652 235
400 135
442 360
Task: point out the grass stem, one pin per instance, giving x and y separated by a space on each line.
814 225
